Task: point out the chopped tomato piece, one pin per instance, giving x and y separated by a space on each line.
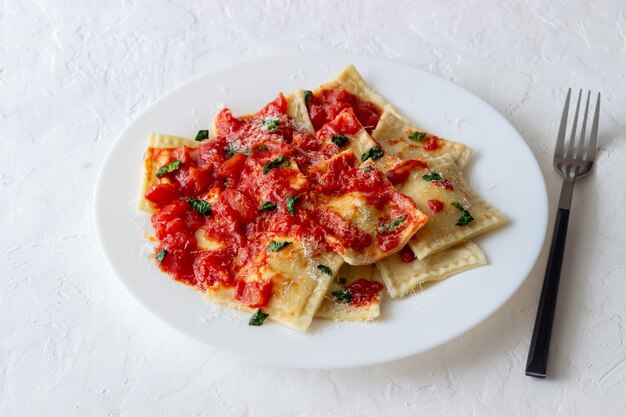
211 268
182 154
254 294
226 123
171 211
326 105
274 108
179 265
161 193
232 168
175 226
236 206
364 291
435 205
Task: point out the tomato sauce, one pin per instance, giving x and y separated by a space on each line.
435 205
364 291
430 143
324 106
399 174
258 160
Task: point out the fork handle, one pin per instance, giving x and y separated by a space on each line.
540 343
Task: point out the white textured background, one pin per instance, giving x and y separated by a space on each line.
72 74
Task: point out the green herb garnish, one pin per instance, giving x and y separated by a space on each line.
275 246
466 218
307 96
342 281
271 123
367 168
267 206
417 136
201 206
339 140
373 153
291 202
202 135
325 269
169 168
274 164
385 227
435 176
343 295
161 255
258 318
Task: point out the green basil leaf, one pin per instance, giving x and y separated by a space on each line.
275 246
339 140
161 255
465 218
202 135
201 206
271 123
343 295
258 318
325 269
386 227
367 168
291 202
417 136
267 206
373 153
307 96
169 168
274 164
435 176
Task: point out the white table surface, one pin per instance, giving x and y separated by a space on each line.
73 342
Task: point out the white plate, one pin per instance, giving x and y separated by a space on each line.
503 170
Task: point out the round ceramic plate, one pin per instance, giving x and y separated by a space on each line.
502 170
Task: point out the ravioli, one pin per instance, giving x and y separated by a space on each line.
403 139
158 154
366 219
402 273
298 285
354 295
456 213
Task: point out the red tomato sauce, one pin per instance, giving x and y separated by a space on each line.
399 174
327 104
239 171
364 291
435 205
430 143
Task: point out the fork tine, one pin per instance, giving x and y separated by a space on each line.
570 146
581 141
593 138
561 137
